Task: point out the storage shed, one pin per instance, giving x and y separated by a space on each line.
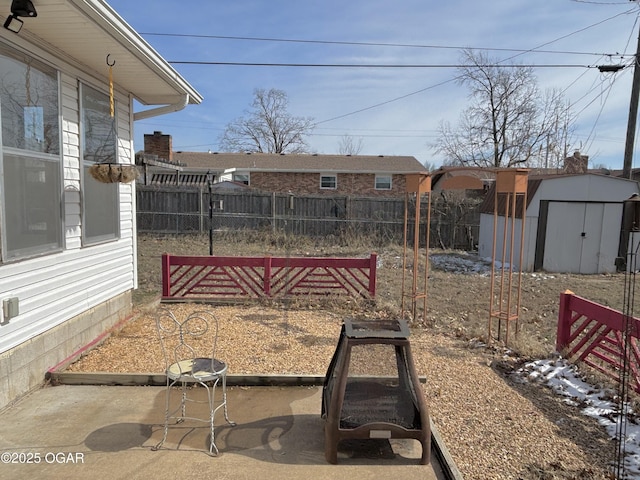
573 224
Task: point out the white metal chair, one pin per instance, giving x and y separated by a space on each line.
183 343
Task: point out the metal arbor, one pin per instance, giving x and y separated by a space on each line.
631 227
510 205
417 185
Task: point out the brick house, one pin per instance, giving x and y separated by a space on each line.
301 174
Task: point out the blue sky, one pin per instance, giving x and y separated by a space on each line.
394 111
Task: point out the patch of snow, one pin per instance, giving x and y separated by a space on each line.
464 263
564 380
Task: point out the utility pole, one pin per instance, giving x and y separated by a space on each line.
633 115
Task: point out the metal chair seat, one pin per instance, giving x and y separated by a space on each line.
196 370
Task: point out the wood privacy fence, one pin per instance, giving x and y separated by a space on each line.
186 210
594 334
212 277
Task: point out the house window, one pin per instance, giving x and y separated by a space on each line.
241 178
31 184
100 207
383 182
329 182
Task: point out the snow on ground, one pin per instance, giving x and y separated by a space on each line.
558 374
461 262
564 380
471 264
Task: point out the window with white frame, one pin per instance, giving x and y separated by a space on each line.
100 204
383 182
241 178
329 182
30 157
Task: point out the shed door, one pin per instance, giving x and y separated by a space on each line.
582 237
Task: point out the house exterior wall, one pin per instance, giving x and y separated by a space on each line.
24 367
69 297
361 184
592 193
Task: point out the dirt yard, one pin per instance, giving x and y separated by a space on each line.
495 427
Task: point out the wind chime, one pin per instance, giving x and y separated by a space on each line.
113 172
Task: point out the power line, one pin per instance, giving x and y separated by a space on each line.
376 65
367 44
456 78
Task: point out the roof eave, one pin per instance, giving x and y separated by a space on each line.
109 21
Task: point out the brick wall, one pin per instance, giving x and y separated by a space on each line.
309 184
159 144
577 163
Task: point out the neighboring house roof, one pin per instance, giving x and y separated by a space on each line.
266 162
85 31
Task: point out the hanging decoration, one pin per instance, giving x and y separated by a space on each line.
113 172
111 102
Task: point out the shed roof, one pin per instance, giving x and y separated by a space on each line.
533 183
84 32
266 162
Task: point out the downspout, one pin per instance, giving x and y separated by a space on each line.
154 112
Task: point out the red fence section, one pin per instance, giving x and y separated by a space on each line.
594 334
212 277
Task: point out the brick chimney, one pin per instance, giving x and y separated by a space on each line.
577 163
158 144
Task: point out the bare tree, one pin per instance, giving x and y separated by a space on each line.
430 166
349 145
558 123
267 127
509 123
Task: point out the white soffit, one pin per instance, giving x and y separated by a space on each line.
86 31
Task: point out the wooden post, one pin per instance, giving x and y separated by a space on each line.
373 265
564 321
166 275
267 276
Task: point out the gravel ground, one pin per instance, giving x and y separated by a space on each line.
494 427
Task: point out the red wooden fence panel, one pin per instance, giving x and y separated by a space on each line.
212 277
594 334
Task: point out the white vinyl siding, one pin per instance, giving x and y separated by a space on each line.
59 286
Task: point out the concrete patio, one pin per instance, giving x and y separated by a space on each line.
89 431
